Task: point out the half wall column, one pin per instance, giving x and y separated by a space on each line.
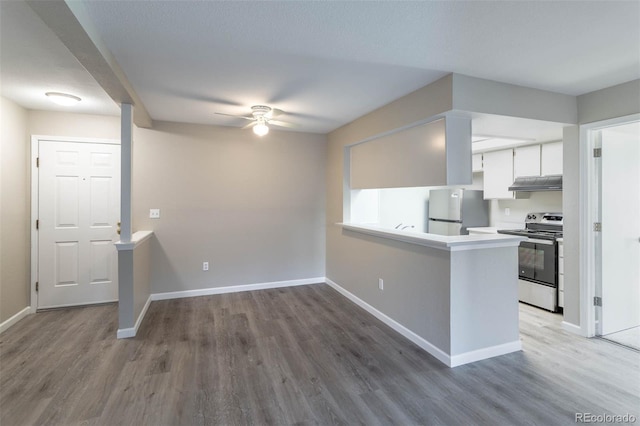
126 153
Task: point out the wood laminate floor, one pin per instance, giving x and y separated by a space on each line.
299 355
629 337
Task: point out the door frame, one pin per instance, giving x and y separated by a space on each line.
35 188
590 194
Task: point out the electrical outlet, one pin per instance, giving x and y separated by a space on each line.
507 211
154 213
205 266
380 283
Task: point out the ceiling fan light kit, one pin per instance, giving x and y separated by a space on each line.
261 128
261 117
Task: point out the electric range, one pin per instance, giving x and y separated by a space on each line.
538 259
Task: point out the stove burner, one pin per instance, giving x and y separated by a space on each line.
544 226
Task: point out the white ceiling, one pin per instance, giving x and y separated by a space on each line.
33 61
325 63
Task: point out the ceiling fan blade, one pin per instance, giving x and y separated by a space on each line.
235 116
282 124
274 113
248 126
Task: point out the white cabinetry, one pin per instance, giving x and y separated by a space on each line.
498 174
561 274
476 163
526 161
551 158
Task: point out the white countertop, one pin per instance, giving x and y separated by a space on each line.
484 229
442 242
136 239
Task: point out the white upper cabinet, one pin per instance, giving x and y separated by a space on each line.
476 163
498 174
526 161
551 158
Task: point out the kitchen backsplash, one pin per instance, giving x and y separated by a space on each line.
548 201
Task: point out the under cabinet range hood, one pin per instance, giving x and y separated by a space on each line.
537 183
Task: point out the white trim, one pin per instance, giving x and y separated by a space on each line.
572 328
439 354
124 333
47 138
589 199
136 239
71 305
485 353
34 216
14 319
436 352
35 188
235 289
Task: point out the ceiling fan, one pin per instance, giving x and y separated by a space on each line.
261 116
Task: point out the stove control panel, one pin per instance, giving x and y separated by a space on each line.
546 218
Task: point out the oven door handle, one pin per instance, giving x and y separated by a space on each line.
536 241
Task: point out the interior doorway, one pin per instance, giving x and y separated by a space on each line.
617 242
75 208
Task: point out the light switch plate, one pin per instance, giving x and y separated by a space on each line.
154 213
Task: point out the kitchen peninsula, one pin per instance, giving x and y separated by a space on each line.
454 296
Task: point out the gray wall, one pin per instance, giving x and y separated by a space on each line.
134 282
492 97
51 123
612 102
15 210
251 207
356 261
141 276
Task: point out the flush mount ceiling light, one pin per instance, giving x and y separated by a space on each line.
63 98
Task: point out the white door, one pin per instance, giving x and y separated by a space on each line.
620 217
78 209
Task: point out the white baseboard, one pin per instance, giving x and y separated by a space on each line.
235 289
439 354
485 353
572 328
436 352
124 333
14 319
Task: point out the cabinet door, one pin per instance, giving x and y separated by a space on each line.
498 174
476 163
551 163
526 161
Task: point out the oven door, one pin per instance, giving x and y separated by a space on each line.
537 261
